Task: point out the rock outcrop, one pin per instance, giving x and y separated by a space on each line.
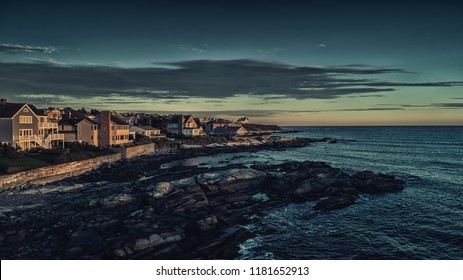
183 213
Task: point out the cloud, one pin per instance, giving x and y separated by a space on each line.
187 47
448 105
13 49
48 60
269 51
211 79
267 113
322 45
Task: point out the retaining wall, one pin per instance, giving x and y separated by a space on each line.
55 172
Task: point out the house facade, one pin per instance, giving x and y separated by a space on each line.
213 124
79 130
229 131
113 130
184 125
148 131
243 120
24 126
53 114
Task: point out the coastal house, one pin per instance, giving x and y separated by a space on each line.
213 124
229 131
131 120
113 130
243 120
79 130
53 114
184 125
148 131
22 125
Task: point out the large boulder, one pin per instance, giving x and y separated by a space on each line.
336 202
228 176
371 183
310 189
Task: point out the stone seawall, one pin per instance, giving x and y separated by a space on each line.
61 171
131 152
55 172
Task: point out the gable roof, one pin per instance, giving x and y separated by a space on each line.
114 120
228 128
182 118
9 110
74 122
118 121
148 127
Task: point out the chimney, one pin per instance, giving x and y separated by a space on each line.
180 124
2 101
105 129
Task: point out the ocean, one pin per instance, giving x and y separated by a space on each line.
424 221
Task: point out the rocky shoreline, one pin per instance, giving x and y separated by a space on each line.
136 210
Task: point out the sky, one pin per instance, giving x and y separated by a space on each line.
277 62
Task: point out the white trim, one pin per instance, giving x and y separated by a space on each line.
32 111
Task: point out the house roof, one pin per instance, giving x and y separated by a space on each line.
148 128
220 121
176 118
118 121
228 128
74 122
114 119
8 110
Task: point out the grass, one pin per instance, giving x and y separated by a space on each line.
12 165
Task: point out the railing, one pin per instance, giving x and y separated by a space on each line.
48 125
55 136
25 138
52 137
45 143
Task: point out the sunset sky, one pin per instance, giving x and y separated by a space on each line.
311 63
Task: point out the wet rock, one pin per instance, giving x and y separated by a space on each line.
310 189
228 176
14 238
333 203
141 244
161 189
10 232
76 250
207 223
187 213
226 248
156 240
116 200
120 253
371 183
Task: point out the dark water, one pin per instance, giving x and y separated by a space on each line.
424 221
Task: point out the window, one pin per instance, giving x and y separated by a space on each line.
25 132
25 119
91 137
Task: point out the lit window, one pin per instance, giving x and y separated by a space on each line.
25 119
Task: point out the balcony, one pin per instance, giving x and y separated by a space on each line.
48 125
21 138
55 137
